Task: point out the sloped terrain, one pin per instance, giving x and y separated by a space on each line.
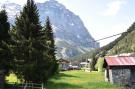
71 36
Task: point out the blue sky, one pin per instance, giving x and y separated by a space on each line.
102 18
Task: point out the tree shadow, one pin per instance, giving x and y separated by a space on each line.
61 85
60 75
52 85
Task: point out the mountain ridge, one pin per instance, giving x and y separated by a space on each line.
126 44
122 45
71 36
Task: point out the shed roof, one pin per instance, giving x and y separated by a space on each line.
63 61
120 61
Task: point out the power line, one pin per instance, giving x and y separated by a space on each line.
101 38
109 37
94 40
104 37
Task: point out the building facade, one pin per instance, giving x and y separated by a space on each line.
120 70
63 64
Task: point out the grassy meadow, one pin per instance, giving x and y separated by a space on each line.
75 80
80 80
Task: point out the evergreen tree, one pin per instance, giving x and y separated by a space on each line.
29 48
5 51
49 37
4 26
34 60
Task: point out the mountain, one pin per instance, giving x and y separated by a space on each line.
12 10
126 44
123 44
71 36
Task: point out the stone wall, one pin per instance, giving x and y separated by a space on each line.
120 76
106 75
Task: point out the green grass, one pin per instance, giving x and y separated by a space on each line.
80 80
75 80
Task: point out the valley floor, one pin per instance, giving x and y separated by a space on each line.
80 80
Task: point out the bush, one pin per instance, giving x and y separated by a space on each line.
99 64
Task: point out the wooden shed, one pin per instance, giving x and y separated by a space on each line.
120 70
63 64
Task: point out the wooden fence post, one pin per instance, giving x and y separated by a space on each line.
25 86
32 85
42 86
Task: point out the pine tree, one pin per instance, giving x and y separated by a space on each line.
49 37
29 49
34 50
4 26
5 51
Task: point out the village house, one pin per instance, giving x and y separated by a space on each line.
120 70
63 64
75 65
83 64
87 65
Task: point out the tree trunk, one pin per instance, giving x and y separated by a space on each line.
1 79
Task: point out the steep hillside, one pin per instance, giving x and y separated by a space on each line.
71 36
125 44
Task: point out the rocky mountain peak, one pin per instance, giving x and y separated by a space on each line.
71 36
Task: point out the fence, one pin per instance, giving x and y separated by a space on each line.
28 86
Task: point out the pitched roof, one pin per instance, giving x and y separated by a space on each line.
120 61
63 61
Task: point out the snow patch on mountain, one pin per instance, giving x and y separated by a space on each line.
71 36
63 52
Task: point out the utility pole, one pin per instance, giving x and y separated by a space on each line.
90 64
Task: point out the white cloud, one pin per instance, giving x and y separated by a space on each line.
20 2
113 7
